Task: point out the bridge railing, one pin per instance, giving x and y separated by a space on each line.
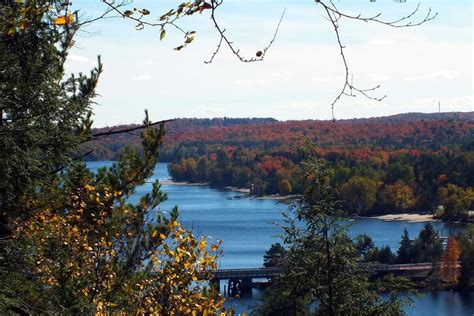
273 271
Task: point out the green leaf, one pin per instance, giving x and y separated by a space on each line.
162 34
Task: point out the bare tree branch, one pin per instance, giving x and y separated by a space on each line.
130 129
334 15
260 55
331 11
405 20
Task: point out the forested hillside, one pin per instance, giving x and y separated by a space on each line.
407 162
108 148
188 137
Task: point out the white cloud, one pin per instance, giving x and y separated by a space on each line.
146 62
382 42
77 58
462 104
142 77
251 82
378 77
207 111
439 75
366 104
269 79
327 79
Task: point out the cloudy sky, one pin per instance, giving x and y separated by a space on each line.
302 73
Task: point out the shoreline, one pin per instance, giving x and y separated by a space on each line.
232 189
183 183
239 190
406 217
274 197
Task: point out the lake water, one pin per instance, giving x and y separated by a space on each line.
248 227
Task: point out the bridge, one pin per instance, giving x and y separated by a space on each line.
240 280
254 273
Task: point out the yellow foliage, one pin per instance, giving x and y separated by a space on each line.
88 259
64 20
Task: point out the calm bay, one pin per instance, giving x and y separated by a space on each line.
249 226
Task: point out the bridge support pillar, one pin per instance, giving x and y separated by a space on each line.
246 286
234 287
239 286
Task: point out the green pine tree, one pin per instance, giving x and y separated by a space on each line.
70 240
321 274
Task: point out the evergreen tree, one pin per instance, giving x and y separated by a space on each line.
71 241
274 256
321 274
43 116
403 252
385 255
430 245
364 245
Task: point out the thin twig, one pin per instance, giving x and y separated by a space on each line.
130 129
334 15
223 38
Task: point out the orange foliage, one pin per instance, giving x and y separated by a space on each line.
449 262
64 20
270 164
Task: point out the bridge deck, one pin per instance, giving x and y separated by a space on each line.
256 273
247 273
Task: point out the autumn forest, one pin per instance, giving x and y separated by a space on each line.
403 163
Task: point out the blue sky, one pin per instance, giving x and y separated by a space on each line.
301 74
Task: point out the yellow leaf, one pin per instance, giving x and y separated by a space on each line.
202 245
63 20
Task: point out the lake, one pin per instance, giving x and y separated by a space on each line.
247 228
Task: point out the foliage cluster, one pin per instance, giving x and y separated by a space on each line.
320 264
427 247
70 240
399 183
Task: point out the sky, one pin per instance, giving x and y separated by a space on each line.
302 72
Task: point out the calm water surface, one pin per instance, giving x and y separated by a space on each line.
248 227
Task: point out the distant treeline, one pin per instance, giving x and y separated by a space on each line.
177 131
410 162
197 137
383 182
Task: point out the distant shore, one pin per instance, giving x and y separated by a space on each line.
274 197
407 217
240 190
170 182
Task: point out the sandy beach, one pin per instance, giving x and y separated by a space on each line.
235 189
414 218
